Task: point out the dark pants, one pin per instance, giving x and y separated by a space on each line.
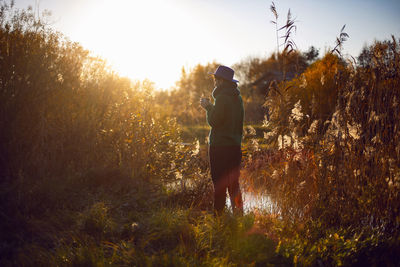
225 172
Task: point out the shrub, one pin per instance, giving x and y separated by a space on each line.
337 166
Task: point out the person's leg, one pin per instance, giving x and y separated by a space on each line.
234 188
234 193
219 197
218 173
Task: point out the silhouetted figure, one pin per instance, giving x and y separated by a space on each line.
225 117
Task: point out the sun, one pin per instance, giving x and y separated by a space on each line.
145 39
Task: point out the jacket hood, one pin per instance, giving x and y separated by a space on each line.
231 90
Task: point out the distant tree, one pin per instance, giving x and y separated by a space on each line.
314 94
367 58
257 74
311 54
192 85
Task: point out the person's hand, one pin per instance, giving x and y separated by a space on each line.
205 102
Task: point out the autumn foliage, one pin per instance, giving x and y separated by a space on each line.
337 129
99 170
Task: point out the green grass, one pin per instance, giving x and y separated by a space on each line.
103 218
136 225
191 133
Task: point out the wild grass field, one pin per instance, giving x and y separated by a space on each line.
95 169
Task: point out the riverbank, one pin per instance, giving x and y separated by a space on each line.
139 224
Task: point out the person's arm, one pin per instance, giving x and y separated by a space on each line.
216 112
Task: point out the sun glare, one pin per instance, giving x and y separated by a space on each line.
145 39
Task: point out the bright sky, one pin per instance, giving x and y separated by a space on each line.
154 39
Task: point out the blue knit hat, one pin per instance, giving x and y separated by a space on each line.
225 73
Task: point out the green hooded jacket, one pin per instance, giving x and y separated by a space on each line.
226 116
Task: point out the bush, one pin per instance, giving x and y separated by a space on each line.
339 165
71 128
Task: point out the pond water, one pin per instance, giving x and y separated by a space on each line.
253 201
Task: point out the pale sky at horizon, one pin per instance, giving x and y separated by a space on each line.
154 39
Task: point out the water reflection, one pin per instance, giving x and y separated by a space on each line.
255 201
251 200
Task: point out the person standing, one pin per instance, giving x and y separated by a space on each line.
225 117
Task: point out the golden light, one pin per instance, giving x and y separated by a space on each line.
145 39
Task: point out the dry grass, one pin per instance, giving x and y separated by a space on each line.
338 163
93 171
